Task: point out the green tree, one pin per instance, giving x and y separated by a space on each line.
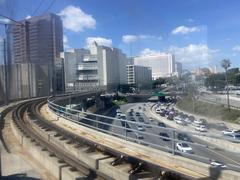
158 82
225 63
215 82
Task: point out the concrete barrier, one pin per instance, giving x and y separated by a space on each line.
58 169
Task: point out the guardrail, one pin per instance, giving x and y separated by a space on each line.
128 131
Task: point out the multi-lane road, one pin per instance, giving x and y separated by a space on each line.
201 153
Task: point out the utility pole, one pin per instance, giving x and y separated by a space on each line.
5 71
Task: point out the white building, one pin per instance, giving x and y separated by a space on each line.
139 76
97 66
178 69
163 65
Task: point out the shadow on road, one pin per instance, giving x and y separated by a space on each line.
214 173
20 176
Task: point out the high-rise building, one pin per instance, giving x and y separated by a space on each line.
37 40
97 66
139 76
163 65
37 43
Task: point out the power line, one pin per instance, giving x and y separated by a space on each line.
53 1
39 5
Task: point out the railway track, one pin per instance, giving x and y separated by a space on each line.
27 118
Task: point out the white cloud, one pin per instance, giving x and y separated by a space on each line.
133 38
76 20
191 20
65 42
148 51
236 48
28 17
193 54
99 41
5 21
129 38
185 30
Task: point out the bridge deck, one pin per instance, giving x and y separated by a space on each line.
147 154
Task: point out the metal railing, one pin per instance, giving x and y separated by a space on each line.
131 131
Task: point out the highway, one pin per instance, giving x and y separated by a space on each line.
214 154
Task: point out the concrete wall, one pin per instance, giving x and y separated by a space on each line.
58 169
2 85
25 80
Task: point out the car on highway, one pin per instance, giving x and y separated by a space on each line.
201 128
234 137
140 128
164 136
177 118
123 116
181 122
198 122
170 117
162 113
184 147
137 113
187 119
172 112
161 124
191 118
204 121
140 119
132 118
118 111
151 119
183 137
230 131
118 115
217 164
130 113
139 136
158 110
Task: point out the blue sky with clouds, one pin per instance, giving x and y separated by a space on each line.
198 32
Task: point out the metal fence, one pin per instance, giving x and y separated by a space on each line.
131 131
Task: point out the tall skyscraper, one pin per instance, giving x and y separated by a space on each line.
37 40
35 45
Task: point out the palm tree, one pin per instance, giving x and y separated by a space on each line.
225 63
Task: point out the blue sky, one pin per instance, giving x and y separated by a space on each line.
198 32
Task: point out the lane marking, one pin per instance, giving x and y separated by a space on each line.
226 157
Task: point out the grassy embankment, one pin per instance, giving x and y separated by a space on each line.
209 110
120 101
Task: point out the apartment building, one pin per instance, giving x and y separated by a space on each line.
97 66
139 76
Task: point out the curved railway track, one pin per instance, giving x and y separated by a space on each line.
27 117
